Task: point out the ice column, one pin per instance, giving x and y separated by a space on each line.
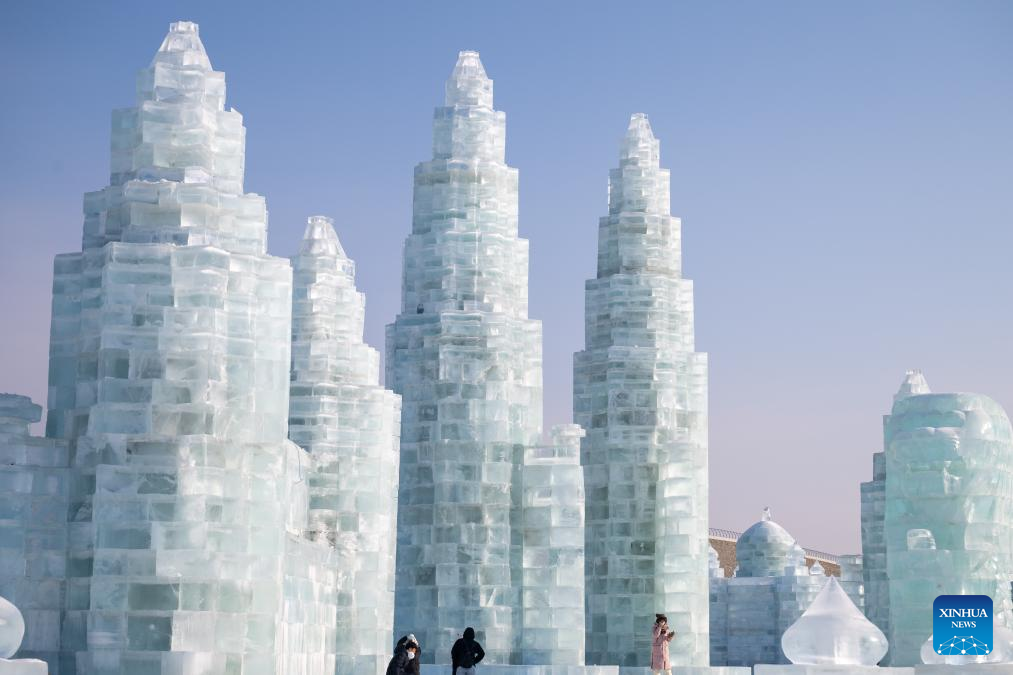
949 510
169 369
877 591
467 362
553 535
33 526
351 426
640 391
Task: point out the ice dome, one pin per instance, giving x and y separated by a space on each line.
833 631
765 549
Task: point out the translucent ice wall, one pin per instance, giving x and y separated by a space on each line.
169 369
553 561
873 493
34 485
350 425
949 510
640 391
467 361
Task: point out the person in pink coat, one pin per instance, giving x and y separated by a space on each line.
659 645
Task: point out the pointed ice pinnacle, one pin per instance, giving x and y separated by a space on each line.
640 146
468 83
321 239
182 47
833 632
12 629
914 384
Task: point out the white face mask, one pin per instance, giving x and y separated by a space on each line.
411 655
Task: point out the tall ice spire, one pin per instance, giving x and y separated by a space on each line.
169 371
350 425
467 361
640 390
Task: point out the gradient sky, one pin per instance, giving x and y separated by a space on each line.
843 172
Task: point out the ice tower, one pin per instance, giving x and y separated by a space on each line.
467 362
949 510
351 427
169 370
640 391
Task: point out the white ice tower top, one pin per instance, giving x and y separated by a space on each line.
182 47
468 84
320 238
914 384
640 184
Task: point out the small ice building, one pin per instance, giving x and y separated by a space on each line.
948 509
771 589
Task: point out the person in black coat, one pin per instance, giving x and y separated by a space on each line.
406 657
466 653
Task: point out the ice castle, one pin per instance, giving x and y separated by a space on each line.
947 509
225 487
640 390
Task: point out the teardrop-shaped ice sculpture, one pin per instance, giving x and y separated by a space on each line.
833 632
1002 650
12 628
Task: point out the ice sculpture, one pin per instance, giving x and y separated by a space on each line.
169 370
640 391
949 510
877 590
833 631
553 560
467 361
350 425
33 511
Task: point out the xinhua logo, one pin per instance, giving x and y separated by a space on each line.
962 624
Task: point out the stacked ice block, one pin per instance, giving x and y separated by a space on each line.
718 610
640 391
877 590
350 425
553 565
467 361
34 484
169 368
874 561
949 510
852 579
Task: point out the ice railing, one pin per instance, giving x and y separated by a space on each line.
732 535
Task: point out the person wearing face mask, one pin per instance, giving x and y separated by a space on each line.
406 657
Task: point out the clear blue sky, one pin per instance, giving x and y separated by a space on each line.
844 172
